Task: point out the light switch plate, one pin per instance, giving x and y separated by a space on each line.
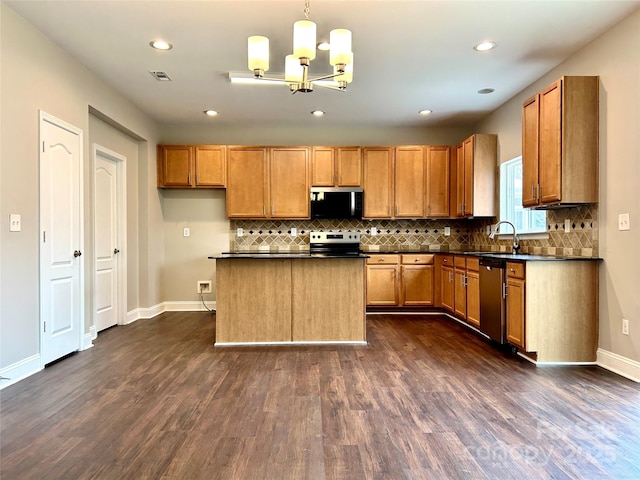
447 231
567 225
374 231
239 232
15 223
186 232
623 222
294 231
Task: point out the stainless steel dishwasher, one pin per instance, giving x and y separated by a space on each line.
493 298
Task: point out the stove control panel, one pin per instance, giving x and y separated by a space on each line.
334 237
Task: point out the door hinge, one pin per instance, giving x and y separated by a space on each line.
43 146
44 237
45 327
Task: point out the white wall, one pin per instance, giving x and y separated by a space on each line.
38 75
615 58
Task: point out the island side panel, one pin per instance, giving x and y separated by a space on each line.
253 300
562 310
328 300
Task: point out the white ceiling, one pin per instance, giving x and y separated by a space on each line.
409 55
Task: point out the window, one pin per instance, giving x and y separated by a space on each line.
525 220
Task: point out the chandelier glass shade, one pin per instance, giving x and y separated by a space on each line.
304 50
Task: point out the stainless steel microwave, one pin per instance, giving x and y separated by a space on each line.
337 202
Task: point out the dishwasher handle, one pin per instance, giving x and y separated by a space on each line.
504 290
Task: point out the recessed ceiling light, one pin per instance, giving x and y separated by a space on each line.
161 45
324 46
211 113
484 46
484 91
425 112
317 113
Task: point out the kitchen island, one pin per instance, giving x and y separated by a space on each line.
289 298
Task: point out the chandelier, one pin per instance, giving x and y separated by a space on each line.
296 71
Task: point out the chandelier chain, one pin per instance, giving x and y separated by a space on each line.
306 10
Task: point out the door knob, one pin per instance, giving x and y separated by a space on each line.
115 250
77 253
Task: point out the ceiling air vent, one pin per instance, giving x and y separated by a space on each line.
160 76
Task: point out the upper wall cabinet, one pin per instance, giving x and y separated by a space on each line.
378 182
268 182
473 189
560 144
336 167
438 168
191 166
409 182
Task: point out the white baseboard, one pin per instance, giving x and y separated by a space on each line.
20 370
173 306
618 364
88 338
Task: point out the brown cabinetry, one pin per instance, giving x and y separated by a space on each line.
400 280
446 282
560 143
438 162
382 280
336 166
516 303
473 291
268 182
378 181
191 166
409 181
247 182
474 189
460 286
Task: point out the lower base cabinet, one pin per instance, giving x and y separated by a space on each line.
515 303
400 280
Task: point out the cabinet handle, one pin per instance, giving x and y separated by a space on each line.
417 260
396 210
381 260
189 178
197 179
512 270
533 192
450 277
539 192
504 290
264 210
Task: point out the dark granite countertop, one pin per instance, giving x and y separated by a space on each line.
498 255
269 255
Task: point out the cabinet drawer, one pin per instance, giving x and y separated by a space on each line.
515 270
473 264
383 259
420 259
460 261
447 260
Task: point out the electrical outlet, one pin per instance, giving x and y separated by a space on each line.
567 225
294 231
625 326
15 223
623 222
239 232
489 227
447 231
204 286
186 232
374 231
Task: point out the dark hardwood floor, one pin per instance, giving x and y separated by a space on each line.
425 399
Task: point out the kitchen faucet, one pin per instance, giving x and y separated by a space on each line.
516 240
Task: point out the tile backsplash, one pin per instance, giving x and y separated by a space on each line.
426 235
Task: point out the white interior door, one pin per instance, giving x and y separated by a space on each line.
61 286
108 237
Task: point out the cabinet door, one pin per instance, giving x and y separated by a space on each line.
550 143
469 151
378 182
322 167
176 165
473 298
417 284
246 182
515 311
210 166
409 182
349 166
446 288
459 194
437 181
460 292
289 182
530 132
382 284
